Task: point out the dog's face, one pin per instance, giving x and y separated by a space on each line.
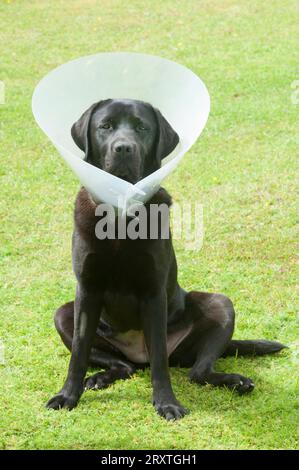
127 138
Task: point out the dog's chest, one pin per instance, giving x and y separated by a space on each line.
121 311
123 271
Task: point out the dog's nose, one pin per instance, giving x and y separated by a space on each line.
122 148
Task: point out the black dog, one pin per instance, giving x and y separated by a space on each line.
129 309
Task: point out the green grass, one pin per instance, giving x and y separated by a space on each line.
243 170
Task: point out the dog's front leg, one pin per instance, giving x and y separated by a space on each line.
87 313
154 318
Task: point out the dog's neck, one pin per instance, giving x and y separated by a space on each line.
85 207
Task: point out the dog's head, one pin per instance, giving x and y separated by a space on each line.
127 138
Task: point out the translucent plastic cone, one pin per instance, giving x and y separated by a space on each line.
64 94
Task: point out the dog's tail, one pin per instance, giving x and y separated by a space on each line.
257 347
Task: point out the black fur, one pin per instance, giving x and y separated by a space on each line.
131 285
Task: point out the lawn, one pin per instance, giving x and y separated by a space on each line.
242 169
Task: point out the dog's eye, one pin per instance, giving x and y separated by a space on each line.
140 127
107 125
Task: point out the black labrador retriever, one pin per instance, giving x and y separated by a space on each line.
129 309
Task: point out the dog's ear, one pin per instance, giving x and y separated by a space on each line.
167 138
80 129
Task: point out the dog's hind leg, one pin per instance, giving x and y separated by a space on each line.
213 317
103 354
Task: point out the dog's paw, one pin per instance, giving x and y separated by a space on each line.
235 382
97 381
62 401
171 411
241 384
